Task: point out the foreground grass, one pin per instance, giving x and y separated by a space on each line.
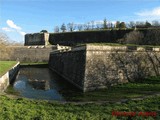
5 66
43 110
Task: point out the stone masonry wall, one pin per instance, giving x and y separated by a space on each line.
27 54
107 66
36 39
70 65
94 67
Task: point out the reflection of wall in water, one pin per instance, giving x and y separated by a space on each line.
40 84
39 78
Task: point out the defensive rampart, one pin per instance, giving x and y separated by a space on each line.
26 53
92 67
37 39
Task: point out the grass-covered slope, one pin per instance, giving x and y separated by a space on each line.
5 66
148 86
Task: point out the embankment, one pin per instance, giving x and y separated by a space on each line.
8 77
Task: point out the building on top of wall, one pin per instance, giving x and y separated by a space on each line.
41 38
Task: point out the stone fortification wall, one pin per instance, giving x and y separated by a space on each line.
92 67
27 54
36 39
107 65
95 36
70 65
8 77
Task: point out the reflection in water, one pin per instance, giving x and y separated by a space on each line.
39 83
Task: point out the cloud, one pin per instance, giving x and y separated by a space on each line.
149 14
7 29
12 27
153 12
11 24
22 33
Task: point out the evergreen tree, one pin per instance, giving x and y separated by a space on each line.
44 31
63 27
105 24
147 24
122 25
117 24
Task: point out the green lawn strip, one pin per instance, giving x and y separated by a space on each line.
124 91
118 44
33 63
5 66
43 110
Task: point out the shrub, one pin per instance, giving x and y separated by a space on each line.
134 37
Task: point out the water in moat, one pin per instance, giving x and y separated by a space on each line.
40 83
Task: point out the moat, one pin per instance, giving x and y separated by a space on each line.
40 83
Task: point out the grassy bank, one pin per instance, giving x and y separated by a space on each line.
143 88
33 63
118 44
43 110
5 66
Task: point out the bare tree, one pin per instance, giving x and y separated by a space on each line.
140 24
71 27
56 29
92 24
99 25
155 23
4 40
5 51
80 27
86 26
131 24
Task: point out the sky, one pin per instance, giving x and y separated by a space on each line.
19 17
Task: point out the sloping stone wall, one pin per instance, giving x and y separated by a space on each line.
93 67
70 65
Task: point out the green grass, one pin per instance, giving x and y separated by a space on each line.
23 109
117 44
5 66
33 63
115 93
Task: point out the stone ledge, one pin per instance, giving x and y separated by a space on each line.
107 48
7 78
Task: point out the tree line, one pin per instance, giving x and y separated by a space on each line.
94 25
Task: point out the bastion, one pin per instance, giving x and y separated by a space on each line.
91 67
37 39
